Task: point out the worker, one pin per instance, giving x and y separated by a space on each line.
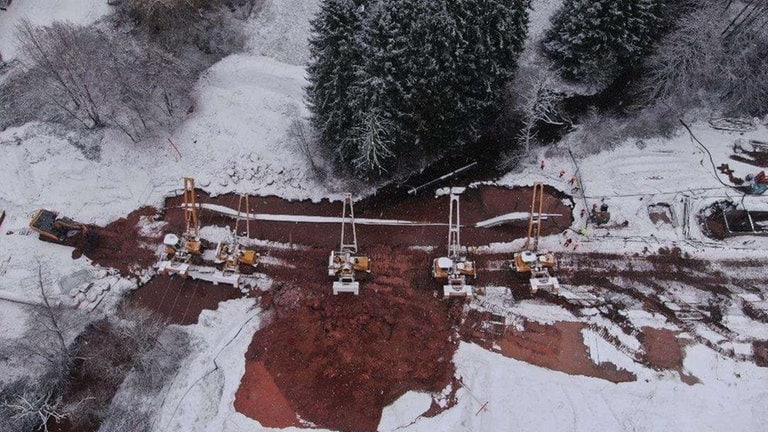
583 231
603 207
542 164
568 242
583 211
572 180
562 173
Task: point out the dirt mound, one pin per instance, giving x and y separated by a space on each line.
118 245
662 348
340 359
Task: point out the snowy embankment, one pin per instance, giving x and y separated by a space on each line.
38 12
502 394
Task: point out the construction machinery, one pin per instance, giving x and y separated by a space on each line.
53 228
758 183
344 264
529 261
180 249
601 216
232 253
454 269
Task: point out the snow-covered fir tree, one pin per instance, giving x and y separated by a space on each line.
337 52
592 41
430 72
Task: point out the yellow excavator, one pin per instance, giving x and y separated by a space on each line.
51 227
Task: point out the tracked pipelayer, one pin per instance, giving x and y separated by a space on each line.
454 269
343 264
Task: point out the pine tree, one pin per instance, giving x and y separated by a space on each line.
337 52
430 72
593 41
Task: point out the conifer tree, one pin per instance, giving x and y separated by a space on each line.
337 52
425 75
592 41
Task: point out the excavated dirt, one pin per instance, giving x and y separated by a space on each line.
477 204
559 346
259 397
340 359
662 348
180 300
118 245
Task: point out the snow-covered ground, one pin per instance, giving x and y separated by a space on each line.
82 12
237 140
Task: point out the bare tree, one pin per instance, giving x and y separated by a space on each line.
538 103
706 61
92 78
373 141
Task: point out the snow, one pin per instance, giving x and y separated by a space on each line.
236 140
201 396
281 30
522 397
39 12
404 411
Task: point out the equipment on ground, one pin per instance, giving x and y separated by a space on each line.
344 264
180 249
53 228
758 183
454 269
530 263
232 253
600 217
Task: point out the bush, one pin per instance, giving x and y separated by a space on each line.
176 24
696 65
84 77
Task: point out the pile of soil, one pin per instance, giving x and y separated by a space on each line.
118 245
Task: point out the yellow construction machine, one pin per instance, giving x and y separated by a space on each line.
231 253
455 270
530 262
344 264
51 227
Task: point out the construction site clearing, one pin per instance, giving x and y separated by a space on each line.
333 344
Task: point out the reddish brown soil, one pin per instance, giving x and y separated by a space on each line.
559 346
181 300
662 348
117 245
477 204
259 397
760 350
340 360
337 361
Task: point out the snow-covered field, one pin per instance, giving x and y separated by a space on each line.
237 140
